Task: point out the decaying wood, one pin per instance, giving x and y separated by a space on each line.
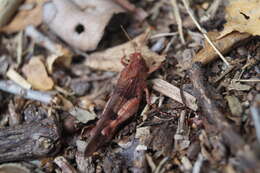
174 93
30 141
7 10
210 103
224 45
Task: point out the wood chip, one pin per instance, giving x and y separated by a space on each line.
17 78
173 92
36 75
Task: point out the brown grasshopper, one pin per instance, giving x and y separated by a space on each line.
123 103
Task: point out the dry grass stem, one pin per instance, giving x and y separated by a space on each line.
177 15
186 5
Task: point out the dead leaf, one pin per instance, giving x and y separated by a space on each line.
62 56
80 23
234 105
82 115
26 17
110 59
242 16
36 74
224 45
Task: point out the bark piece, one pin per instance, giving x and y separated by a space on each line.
13 168
174 93
30 141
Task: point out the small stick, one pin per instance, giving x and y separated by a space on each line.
11 87
204 32
41 39
247 80
163 35
162 162
173 92
64 165
198 164
177 15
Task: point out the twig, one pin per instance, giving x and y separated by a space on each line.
11 87
162 162
163 35
224 73
247 80
255 113
150 162
41 39
211 12
178 19
186 5
19 47
173 92
64 165
198 164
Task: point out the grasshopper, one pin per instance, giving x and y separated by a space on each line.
123 103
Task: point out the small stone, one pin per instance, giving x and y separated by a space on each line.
80 88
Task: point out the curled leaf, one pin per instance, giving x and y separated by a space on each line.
110 59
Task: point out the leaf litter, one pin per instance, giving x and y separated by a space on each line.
201 118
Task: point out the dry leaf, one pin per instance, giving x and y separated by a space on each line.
234 105
36 74
110 59
224 45
63 56
26 17
82 115
80 23
242 16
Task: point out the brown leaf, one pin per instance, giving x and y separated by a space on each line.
110 59
26 17
224 45
242 16
80 23
36 74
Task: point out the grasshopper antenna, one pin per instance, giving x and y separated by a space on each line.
129 38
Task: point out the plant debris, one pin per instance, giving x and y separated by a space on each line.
129 86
